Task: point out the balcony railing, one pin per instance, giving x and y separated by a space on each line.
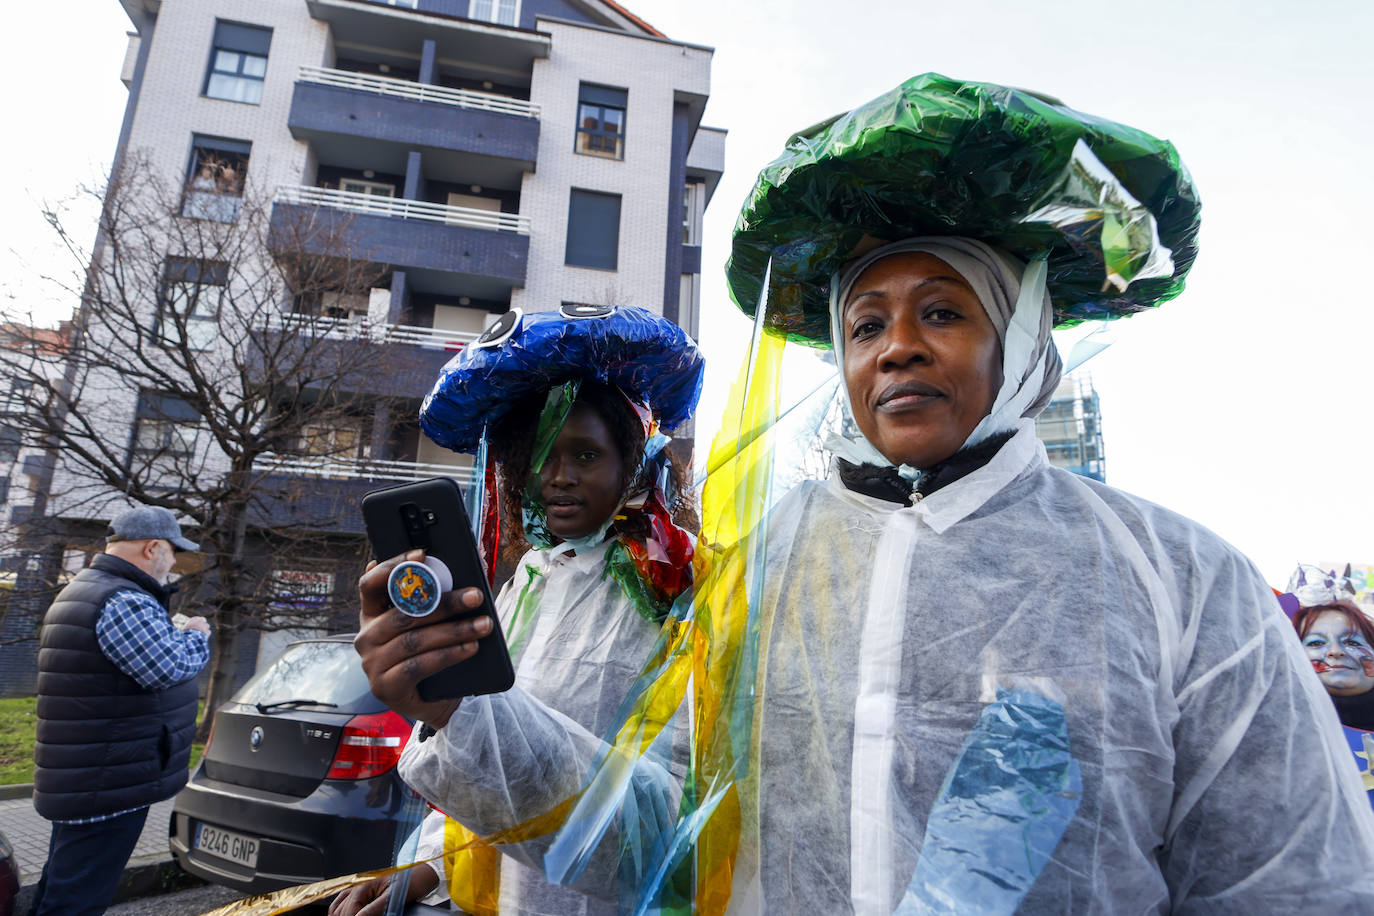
374 205
420 92
358 468
363 329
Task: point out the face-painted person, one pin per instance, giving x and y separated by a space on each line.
571 403
986 684
1339 639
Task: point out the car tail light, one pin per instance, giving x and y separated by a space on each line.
370 746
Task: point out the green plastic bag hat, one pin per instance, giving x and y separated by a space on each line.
1113 207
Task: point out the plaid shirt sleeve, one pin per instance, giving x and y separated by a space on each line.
136 634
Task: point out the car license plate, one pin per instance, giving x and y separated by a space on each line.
227 845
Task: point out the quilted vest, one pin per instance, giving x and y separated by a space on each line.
105 744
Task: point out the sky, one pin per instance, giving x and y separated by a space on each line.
1242 404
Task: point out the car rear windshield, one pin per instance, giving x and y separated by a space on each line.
323 671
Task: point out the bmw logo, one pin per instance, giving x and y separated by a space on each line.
255 737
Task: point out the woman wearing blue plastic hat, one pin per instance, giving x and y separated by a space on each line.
570 404
987 685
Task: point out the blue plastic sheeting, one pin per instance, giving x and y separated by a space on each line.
649 358
1004 806
1362 746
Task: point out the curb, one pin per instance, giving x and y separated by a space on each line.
148 879
153 878
23 790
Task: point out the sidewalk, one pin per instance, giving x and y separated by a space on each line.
28 833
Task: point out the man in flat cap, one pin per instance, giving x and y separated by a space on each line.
116 709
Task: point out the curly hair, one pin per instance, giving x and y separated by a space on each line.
512 441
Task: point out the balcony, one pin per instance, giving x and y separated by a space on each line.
359 468
370 332
444 250
420 92
480 44
362 120
354 202
408 367
324 493
706 158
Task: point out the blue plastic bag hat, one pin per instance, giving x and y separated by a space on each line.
648 357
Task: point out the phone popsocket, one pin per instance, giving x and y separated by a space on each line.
415 587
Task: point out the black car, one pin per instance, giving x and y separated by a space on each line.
298 782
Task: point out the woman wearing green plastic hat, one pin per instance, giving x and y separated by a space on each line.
570 403
984 684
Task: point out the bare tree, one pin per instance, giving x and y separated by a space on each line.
218 341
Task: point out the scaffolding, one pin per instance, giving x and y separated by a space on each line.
1071 428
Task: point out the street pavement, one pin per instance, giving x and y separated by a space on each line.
29 833
194 900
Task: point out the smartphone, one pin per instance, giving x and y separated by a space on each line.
429 515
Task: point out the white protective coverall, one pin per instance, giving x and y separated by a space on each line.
1209 772
1028 692
505 758
429 845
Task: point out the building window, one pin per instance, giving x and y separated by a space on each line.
10 440
190 302
327 440
593 230
354 306
238 63
214 178
17 398
501 12
370 188
365 309
332 447
75 559
164 427
688 302
601 121
692 196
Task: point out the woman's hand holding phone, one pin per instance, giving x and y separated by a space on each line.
399 651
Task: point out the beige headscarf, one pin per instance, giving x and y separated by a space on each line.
1014 296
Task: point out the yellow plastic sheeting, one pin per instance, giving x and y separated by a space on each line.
734 501
473 870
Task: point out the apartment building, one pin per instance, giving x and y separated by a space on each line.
1071 428
495 154
28 357
20 466
482 155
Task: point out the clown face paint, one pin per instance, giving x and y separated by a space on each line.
1342 658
